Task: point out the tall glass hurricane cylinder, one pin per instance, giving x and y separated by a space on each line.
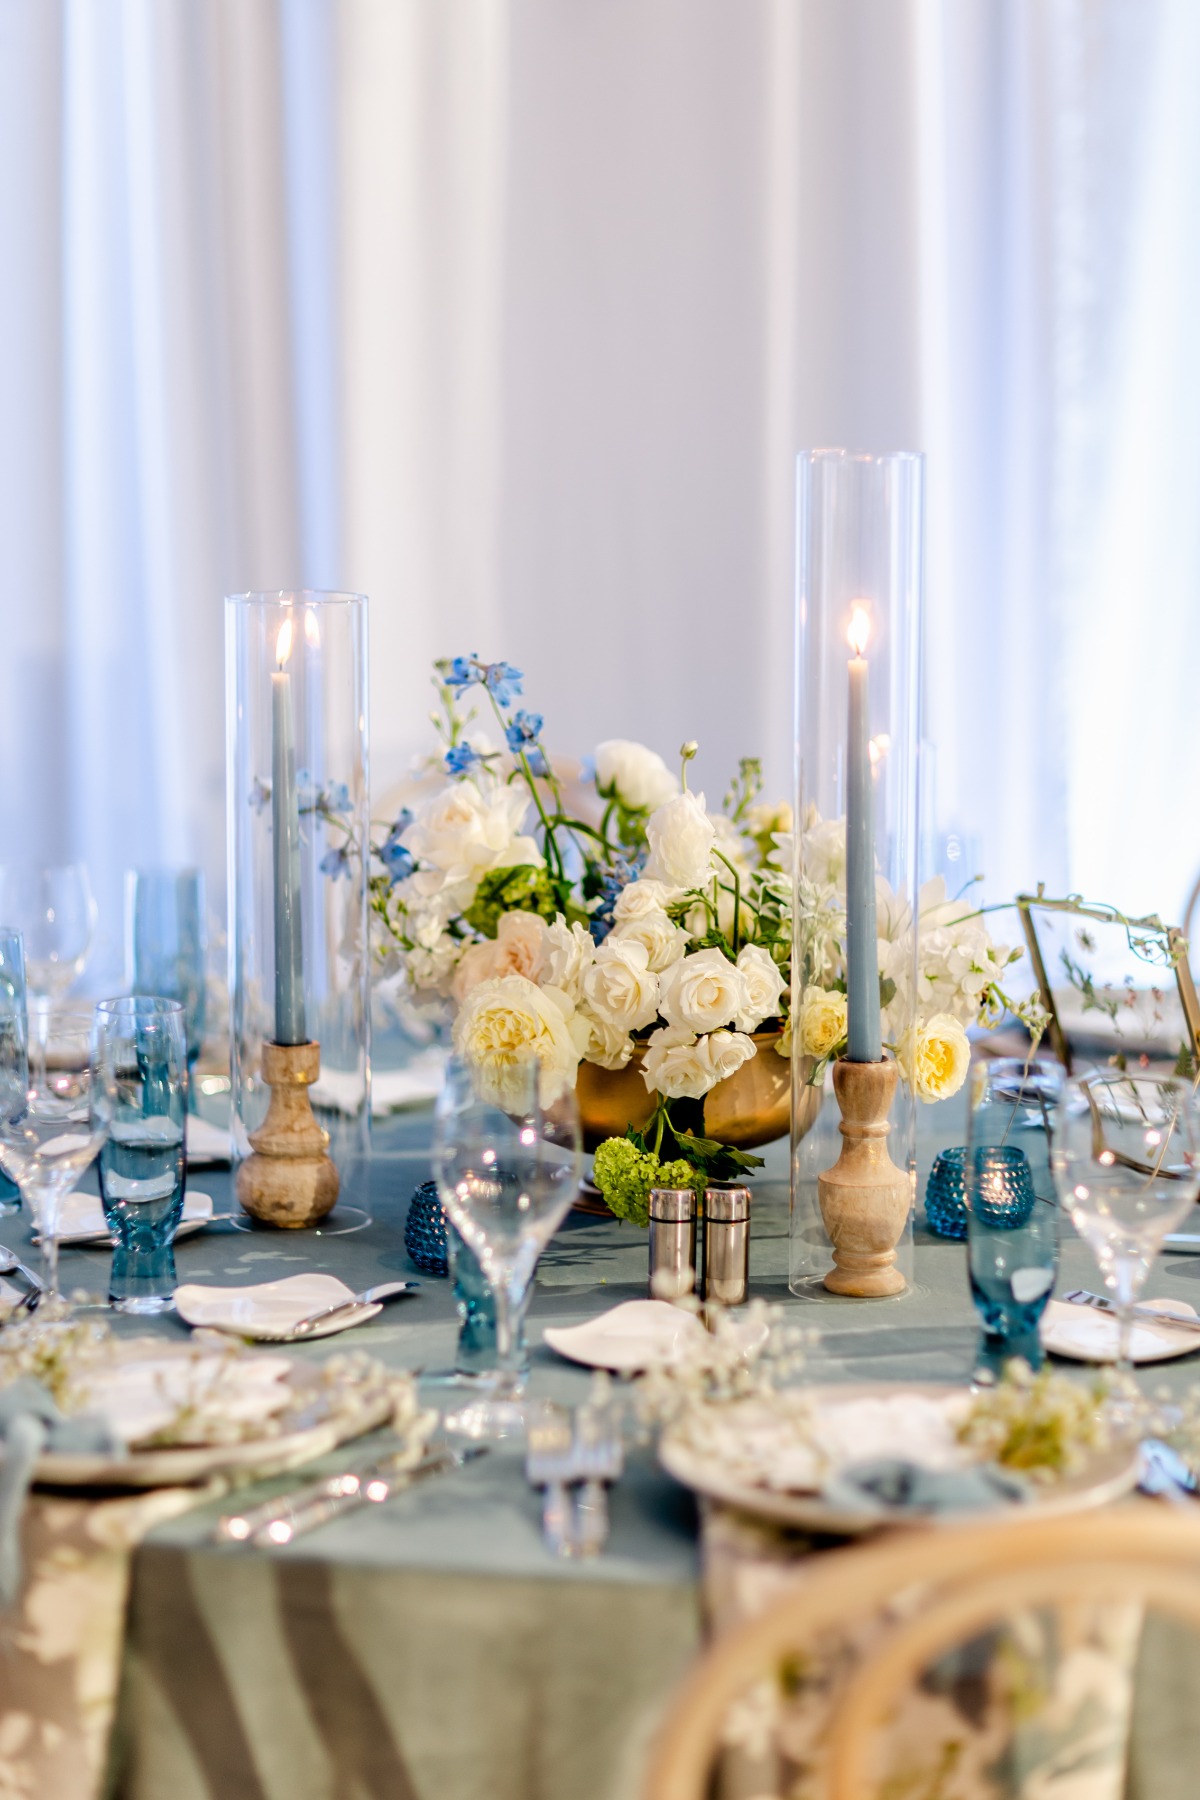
858 616
298 823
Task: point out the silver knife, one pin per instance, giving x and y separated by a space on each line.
388 1290
296 1521
1150 1314
238 1527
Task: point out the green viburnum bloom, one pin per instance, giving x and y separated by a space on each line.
625 1174
523 889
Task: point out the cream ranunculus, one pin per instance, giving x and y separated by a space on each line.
505 1021
934 1057
519 948
703 991
663 942
569 952
822 1022
638 777
679 1065
641 897
681 837
763 983
619 987
472 826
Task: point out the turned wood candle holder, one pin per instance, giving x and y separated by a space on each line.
865 1199
289 1181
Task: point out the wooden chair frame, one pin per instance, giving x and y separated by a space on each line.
975 1574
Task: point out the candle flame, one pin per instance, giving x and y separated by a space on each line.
283 643
860 630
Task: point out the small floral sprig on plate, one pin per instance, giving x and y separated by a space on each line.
754 1352
1046 1425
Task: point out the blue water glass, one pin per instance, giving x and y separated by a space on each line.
139 1094
476 1353
1012 1251
165 922
14 1046
946 1195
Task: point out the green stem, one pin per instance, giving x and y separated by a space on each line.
660 1123
737 894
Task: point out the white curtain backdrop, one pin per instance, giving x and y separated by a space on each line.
513 313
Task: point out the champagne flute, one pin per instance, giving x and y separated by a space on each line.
1126 1161
506 1158
47 1134
55 913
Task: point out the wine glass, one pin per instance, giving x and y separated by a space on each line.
506 1158
47 1134
167 943
55 913
1126 1160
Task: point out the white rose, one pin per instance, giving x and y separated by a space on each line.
569 951
934 1057
642 897
763 984
505 1021
702 991
663 942
639 777
681 1066
472 826
823 850
608 1046
681 837
619 987
823 1021
519 948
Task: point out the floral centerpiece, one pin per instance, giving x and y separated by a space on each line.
635 929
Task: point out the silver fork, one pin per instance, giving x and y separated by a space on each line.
1151 1314
549 1465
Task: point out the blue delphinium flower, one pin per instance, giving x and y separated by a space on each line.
537 761
587 769
398 861
336 861
503 682
260 793
618 875
459 758
459 671
307 792
525 728
336 798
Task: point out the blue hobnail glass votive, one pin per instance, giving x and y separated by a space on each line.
438 1249
946 1195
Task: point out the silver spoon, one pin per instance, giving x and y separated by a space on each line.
11 1264
388 1290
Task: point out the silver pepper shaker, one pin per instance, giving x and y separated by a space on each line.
672 1243
726 1243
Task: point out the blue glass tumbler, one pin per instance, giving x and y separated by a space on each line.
139 1095
165 922
1012 1214
14 1047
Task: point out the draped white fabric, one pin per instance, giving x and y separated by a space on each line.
513 315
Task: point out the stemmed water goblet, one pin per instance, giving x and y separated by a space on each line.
506 1158
47 1134
1126 1161
55 912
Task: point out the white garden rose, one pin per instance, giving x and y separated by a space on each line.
569 951
822 1023
934 1057
638 777
471 826
763 984
642 897
501 1024
608 1046
518 948
681 837
703 991
663 942
679 1065
619 987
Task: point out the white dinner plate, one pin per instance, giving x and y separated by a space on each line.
1087 1335
207 1143
83 1219
1107 1476
269 1310
638 1334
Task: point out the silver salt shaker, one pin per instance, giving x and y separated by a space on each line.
726 1243
672 1243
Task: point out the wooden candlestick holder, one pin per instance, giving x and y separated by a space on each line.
290 1180
865 1199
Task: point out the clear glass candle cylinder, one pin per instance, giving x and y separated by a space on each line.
298 821
858 621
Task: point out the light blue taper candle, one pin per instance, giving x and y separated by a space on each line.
864 1038
285 823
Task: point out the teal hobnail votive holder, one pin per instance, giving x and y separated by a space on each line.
946 1195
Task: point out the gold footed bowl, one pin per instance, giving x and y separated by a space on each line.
749 1108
